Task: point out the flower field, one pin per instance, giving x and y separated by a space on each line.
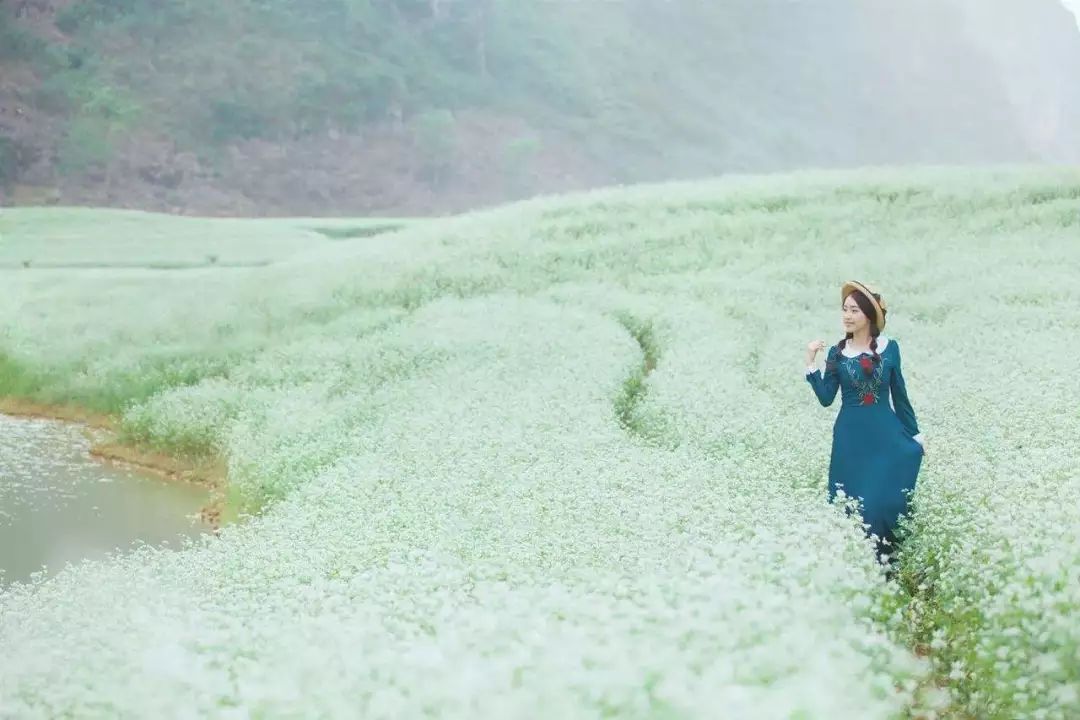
558 459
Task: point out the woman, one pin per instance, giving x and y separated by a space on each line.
876 450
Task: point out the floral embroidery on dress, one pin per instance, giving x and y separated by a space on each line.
866 376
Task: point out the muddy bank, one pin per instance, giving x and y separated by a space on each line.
103 433
61 505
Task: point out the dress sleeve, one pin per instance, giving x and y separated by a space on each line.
901 403
825 383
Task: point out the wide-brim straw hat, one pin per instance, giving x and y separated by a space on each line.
872 295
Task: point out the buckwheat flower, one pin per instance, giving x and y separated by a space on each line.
550 456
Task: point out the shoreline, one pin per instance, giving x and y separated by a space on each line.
210 475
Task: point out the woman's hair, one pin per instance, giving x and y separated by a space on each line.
868 310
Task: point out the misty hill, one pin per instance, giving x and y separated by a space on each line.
426 106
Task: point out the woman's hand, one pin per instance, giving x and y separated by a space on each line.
812 349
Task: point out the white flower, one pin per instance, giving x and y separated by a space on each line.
549 456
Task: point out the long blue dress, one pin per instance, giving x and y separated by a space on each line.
875 455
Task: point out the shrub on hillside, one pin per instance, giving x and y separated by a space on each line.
435 136
9 161
86 145
518 156
90 12
17 44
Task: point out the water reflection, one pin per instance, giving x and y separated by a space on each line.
60 505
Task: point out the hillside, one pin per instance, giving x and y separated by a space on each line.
424 107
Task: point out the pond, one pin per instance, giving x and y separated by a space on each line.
59 504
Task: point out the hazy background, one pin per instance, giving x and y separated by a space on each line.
1074 7
421 107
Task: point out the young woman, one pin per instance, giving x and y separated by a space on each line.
876 450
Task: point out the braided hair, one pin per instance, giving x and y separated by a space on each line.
868 310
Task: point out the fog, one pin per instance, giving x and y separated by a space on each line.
430 106
1073 7
1035 51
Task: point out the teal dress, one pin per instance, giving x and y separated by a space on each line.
875 455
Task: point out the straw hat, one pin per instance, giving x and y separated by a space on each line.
872 294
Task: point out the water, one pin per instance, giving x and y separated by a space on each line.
58 504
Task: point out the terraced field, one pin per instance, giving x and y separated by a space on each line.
558 459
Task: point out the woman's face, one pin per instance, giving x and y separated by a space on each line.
852 316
